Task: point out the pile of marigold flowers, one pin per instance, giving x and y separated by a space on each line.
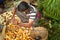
15 33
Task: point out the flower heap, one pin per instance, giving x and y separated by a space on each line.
15 33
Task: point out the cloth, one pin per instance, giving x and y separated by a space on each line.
33 12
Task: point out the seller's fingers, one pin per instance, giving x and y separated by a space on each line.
13 10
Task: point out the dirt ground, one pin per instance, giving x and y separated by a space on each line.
1 37
10 5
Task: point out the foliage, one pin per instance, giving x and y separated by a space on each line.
53 28
50 9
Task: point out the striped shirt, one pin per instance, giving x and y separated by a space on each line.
33 12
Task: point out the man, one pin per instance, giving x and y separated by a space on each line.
28 15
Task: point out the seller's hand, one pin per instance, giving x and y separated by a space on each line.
14 21
20 24
13 10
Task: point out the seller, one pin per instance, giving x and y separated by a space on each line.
28 15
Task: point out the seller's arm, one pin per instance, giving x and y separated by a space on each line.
29 24
13 10
31 20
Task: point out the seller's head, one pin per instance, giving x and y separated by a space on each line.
23 7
